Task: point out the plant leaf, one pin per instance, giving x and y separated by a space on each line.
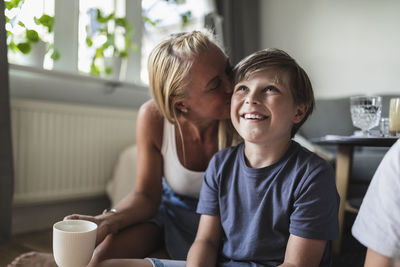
110 17
8 5
108 70
32 35
99 53
47 21
123 53
12 46
94 70
148 20
55 55
89 42
121 22
102 19
186 17
25 48
12 4
36 20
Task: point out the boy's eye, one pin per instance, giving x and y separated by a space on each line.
241 88
271 89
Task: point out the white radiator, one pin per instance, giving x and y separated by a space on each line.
64 151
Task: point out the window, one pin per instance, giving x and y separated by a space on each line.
88 24
75 18
21 18
169 17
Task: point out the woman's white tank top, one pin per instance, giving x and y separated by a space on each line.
182 180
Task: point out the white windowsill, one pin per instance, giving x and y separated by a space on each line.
30 82
77 77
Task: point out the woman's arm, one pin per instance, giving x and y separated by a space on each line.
303 252
204 250
143 202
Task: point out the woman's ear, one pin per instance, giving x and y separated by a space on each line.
300 113
181 107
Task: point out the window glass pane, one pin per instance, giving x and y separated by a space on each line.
168 18
89 25
23 32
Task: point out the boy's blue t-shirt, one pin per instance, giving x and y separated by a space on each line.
260 208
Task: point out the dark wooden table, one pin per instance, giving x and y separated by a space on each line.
344 159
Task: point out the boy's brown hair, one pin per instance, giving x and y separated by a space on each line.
299 83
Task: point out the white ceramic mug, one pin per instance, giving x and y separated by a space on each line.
394 116
73 242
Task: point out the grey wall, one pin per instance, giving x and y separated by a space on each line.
6 162
347 47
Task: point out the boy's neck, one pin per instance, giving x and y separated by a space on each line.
263 155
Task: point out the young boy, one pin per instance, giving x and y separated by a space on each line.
267 201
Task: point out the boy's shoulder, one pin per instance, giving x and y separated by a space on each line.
308 157
309 168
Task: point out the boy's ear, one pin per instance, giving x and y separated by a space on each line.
301 111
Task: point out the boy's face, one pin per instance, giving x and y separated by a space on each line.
262 107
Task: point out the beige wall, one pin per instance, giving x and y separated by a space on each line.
347 47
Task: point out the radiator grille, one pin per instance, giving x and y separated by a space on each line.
64 151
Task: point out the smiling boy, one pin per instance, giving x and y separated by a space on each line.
267 201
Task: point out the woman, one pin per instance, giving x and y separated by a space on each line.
176 138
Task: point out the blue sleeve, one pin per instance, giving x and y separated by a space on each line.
208 201
316 206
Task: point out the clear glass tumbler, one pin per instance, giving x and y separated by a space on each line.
365 112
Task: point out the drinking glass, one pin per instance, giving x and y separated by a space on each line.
365 112
394 116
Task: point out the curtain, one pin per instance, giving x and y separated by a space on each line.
241 27
6 161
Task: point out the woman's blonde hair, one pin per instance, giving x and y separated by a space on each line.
169 64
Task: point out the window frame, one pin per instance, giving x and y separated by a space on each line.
66 36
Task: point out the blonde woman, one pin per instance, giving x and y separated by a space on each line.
178 132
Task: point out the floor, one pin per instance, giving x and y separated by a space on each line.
352 253
36 241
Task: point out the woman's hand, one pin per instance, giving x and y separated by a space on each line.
106 224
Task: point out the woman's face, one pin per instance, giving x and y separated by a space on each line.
208 96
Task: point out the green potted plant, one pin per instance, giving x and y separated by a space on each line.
28 41
114 43
103 34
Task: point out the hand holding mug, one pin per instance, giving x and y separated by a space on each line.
104 223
